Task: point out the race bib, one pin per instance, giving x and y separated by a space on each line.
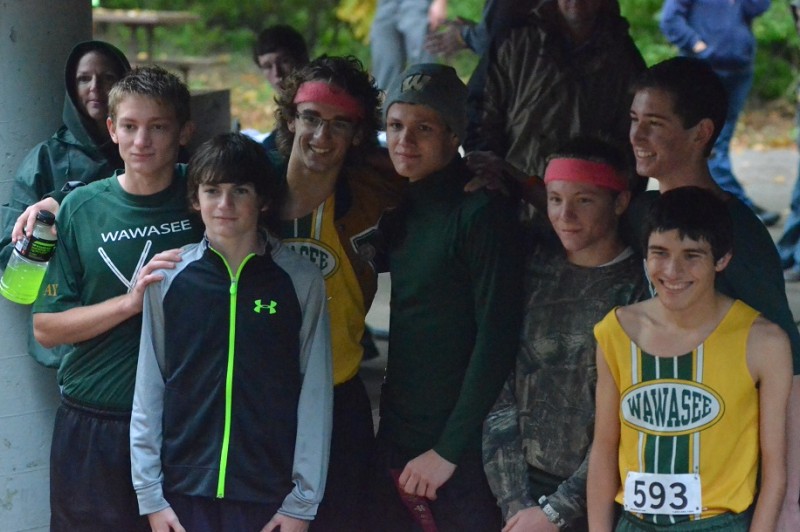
666 494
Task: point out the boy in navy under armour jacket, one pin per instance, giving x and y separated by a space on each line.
231 414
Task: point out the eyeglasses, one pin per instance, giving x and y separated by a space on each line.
337 126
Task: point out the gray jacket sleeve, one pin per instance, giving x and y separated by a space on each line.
148 407
315 407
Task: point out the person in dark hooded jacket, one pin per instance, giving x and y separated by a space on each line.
80 151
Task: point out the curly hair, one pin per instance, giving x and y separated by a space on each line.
346 73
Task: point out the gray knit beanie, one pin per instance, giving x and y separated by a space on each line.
438 87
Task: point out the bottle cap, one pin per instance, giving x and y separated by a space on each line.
46 217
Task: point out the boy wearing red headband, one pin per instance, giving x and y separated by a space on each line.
537 437
327 123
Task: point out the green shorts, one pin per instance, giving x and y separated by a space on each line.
728 522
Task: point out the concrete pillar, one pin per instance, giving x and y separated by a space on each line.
35 39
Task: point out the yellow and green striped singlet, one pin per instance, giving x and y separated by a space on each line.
694 413
315 237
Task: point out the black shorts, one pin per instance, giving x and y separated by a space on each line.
90 472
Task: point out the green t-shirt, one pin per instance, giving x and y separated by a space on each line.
105 236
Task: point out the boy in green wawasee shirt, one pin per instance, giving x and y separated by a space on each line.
92 298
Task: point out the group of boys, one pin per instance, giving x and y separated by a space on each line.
226 434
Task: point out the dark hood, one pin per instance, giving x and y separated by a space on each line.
80 125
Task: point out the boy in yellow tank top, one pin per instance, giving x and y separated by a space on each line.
692 389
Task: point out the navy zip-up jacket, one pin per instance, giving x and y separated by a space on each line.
234 385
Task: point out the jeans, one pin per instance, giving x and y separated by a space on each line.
397 38
737 84
787 244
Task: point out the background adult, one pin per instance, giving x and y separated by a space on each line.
80 151
566 72
720 33
397 37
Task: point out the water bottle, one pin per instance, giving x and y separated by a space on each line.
28 263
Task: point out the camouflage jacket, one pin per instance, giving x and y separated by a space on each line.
544 417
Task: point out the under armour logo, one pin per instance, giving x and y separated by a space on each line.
415 82
272 307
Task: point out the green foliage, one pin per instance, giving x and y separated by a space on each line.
778 54
643 17
230 26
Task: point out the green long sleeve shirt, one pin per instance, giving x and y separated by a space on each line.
456 266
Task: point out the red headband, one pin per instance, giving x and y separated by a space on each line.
582 171
321 92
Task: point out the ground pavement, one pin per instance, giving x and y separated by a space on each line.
767 175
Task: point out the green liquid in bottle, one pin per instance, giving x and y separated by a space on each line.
22 279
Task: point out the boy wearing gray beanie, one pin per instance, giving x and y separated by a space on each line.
455 314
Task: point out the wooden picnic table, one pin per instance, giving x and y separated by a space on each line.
143 18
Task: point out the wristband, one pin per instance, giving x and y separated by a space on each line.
551 513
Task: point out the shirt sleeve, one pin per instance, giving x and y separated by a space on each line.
148 407
503 458
315 406
569 500
675 24
490 248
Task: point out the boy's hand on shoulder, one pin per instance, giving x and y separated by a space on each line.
487 169
284 523
166 260
165 521
426 473
530 520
